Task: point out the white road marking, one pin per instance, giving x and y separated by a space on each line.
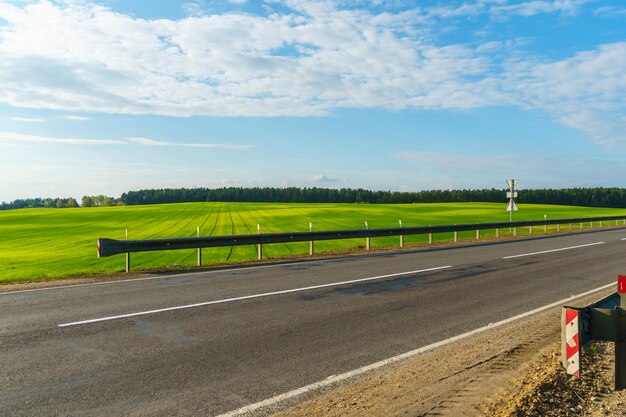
552 250
248 297
377 365
624 238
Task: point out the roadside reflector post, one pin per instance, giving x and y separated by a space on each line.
199 249
581 225
367 239
558 227
620 344
127 256
477 234
591 225
497 233
515 231
260 245
530 230
456 236
570 340
600 223
430 238
570 226
545 226
401 236
311 246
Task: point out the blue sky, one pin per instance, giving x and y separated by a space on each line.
102 97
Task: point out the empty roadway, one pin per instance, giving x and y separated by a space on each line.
209 342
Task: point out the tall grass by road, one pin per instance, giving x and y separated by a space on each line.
54 243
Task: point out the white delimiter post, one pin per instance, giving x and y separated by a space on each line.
311 248
260 246
127 256
199 249
367 239
456 236
401 236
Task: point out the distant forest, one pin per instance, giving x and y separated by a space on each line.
592 197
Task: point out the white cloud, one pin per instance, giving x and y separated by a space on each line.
76 118
535 7
82 57
22 138
324 178
27 119
586 92
152 142
610 11
17 138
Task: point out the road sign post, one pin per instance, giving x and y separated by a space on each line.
511 195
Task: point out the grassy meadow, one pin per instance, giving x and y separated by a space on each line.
55 243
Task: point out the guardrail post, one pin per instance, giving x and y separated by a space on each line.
477 234
401 236
620 345
199 249
260 245
311 247
367 239
127 256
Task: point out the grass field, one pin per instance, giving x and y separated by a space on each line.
55 243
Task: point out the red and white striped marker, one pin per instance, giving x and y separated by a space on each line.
621 284
572 342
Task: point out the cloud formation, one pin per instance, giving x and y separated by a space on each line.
12 137
304 58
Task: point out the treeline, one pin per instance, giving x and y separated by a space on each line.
86 201
593 197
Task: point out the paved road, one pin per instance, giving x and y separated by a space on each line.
120 348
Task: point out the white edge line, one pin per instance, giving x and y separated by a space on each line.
553 250
247 297
377 365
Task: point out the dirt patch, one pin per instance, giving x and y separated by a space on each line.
546 390
513 370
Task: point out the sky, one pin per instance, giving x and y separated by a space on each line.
103 97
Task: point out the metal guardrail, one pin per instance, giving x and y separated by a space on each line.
604 320
109 247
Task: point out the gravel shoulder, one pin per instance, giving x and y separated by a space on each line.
513 370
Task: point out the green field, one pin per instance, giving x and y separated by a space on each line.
54 243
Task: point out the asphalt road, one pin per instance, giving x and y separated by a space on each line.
207 343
